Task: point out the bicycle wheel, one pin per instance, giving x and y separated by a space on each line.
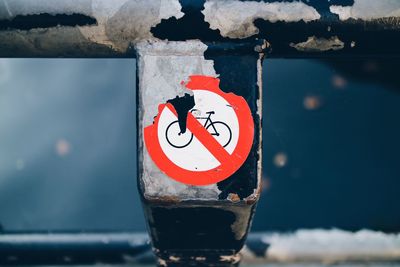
224 135
175 138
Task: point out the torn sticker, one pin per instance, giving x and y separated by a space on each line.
201 139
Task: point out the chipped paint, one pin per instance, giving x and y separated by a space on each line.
314 44
368 9
174 258
253 198
304 245
104 11
242 218
162 67
24 7
234 18
132 18
162 262
233 197
119 22
233 259
256 193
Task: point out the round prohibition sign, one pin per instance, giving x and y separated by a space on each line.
216 142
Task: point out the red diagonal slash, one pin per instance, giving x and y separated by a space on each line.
205 137
229 162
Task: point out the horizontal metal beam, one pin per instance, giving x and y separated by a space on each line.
318 246
70 248
102 28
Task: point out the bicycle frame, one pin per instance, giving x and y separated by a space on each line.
208 119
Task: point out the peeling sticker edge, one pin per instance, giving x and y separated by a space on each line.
172 191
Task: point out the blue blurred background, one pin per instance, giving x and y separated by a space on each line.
68 145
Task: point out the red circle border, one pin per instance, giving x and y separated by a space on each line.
238 156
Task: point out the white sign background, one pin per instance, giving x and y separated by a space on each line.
195 156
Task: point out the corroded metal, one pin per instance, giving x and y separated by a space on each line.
100 28
301 246
18 249
198 225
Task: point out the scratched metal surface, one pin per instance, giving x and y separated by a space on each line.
98 28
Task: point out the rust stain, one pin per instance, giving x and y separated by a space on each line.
233 197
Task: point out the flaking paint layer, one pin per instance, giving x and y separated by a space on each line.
368 9
119 22
315 44
162 66
234 19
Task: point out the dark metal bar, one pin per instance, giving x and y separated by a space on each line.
70 248
315 28
121 248
196 225
190 226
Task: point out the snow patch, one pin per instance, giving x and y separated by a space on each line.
332 246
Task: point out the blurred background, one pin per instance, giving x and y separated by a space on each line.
68 145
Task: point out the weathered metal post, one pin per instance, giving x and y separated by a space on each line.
199 93
195 223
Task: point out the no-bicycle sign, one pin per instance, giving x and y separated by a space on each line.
203 138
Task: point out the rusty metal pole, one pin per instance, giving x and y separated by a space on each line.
195 225
198 225
100 28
